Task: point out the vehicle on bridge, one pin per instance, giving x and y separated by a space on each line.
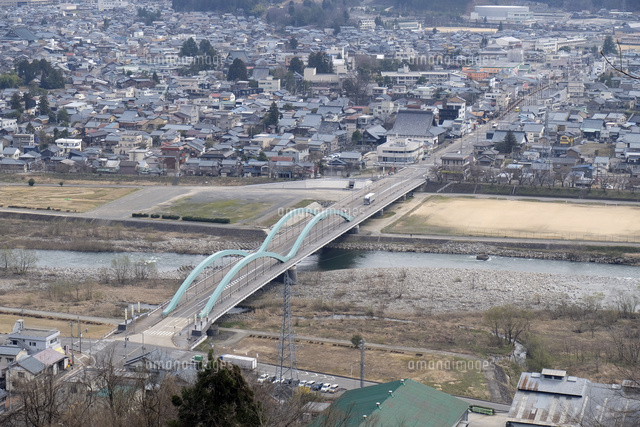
244 362
369 198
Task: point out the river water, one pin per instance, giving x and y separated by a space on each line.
337 259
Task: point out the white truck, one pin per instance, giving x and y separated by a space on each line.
244 362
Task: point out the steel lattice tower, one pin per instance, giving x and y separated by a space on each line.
286 368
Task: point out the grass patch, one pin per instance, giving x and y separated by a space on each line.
74 199
235 210
95 330
275 218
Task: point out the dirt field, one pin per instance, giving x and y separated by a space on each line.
95 331
69 199
523 219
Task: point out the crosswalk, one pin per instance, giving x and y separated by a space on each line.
159 333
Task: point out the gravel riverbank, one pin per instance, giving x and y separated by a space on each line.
424 290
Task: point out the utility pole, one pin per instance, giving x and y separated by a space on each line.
362 363
286 366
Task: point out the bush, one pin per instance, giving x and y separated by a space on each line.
31 182
140 215
201 219
61 183
170 216
155 215
356 339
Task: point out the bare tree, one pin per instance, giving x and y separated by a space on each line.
22 260
121 267
507 322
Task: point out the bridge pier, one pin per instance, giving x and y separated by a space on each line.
380 212
355 230
293 275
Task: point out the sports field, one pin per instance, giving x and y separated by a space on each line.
70 199
522 218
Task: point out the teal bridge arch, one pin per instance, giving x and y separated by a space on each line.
248 257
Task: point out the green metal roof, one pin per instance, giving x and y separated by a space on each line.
409 404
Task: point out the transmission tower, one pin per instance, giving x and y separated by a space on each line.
286 368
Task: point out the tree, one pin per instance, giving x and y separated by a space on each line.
9 80
293 43
189 48
262 156
608 46
356 136
220 397
321 62
296 65
237 70
23 260
205 47
356 339
43 105
273 115
30 129
16 101
121 266
31 182
155 77
500 26
507 145
63 116
507 322
379 22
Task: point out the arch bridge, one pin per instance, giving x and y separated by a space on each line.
226 278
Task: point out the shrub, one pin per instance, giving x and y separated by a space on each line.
155 215
170 216
201 219
140 215
31 182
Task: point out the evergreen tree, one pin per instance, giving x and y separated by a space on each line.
262 156
30 129
379 22
507 145
500 26
16 101
189 48
237 70
63 117
273 115
220 397
296 65
205 47
321 62
29 102
293 43
155 77
43 105
609 47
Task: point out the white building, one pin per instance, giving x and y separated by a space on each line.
269 84
68 144
501 13
399 151
33 340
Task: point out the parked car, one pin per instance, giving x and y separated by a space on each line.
334 388
316 387
262 378
325 387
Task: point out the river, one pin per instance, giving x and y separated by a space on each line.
337 259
